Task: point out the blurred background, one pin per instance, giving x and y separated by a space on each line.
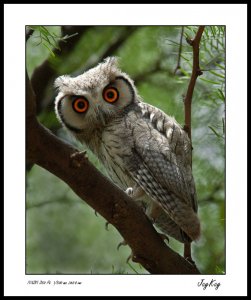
63 233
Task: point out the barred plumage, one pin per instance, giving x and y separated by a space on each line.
140 146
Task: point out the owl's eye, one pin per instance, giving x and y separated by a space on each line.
80 105
110 94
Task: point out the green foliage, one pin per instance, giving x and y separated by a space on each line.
49 39
89 48
63 234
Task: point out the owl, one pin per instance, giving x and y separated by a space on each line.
144 151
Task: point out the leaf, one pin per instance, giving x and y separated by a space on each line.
215 132
172 42
33 27
185 72
55 45
45 38
185 58
222 43
219 270
217 74
44 30
220 66
132 268
189 28
213 30
206 31
51 52
223 125
221 95
55 35
209 81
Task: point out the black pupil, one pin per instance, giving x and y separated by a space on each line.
110 94
81 104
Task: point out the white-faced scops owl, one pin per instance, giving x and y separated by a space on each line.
145 152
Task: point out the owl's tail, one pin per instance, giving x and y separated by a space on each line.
192 228
188 221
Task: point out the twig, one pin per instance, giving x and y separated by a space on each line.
180 50
195 43
54 155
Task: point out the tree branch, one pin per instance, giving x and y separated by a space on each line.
56 156
195 43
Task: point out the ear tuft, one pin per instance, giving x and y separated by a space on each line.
61 81
112 61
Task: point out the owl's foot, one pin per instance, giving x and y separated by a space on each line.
129 258
129 191
78 159
187 253
164 237
135 192
123 243
106 226
190 260
154 211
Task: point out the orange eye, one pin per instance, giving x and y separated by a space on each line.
80 105
110 94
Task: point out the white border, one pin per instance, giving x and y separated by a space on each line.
234 16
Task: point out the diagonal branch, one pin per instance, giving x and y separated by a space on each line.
195 43
56 156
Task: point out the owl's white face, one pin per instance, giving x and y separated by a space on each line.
93 98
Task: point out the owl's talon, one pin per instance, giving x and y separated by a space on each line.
190 260
164 237
152 219
123 243
135 192
129 257
95 212
129 191
106 226
78 159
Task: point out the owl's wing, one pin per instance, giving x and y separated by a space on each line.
161 165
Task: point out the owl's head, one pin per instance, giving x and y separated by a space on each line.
93 99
